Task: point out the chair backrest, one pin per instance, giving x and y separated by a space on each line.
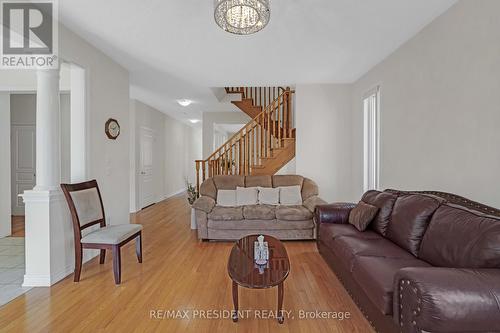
85 203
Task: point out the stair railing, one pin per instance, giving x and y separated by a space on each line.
249 147
261 96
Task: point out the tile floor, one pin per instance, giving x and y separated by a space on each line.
11 268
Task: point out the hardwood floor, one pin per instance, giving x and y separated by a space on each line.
17 226
180 273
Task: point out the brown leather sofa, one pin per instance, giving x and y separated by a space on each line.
430 261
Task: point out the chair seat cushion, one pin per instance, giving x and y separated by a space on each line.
220 213
259 212
113 234
375 275
293 213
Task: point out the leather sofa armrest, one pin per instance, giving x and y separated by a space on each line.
311 203
204 203
437 299
333 213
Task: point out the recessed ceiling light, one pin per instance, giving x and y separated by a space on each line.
184 102
194 121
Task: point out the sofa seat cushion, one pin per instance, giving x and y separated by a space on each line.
220 213
347 248
293 213
375 275
259 212
261 225
330 231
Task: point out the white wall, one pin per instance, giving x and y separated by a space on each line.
211 118
323 146
108 97
147 117
5 207
440 113
179 164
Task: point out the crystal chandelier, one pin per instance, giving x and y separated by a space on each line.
242 17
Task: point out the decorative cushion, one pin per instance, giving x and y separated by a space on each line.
362 215
87 205
409 220
226 198
385 202
246 196
113 234
259 212
226 213
293 213
269 196
290 195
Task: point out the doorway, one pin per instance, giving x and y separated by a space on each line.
146 167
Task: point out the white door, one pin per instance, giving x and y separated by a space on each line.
147 195
23 151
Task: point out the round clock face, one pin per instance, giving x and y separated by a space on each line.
112 128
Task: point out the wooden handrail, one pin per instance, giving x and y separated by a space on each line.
246 149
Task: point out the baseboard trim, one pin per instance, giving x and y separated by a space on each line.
174 194
49 280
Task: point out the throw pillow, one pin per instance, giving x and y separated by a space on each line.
290 195
269 196
226 198
246 196
361 215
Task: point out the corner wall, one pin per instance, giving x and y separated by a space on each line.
5 207
323 146
440 112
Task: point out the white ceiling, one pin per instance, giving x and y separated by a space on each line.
173 48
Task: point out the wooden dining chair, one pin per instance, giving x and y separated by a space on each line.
85 203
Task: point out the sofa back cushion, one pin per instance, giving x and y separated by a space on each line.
384 202
287 180
258 181
461 238
208 189
409 220
229 182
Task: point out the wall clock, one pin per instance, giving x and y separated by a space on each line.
112 128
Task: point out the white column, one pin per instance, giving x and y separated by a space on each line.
48 146
47 222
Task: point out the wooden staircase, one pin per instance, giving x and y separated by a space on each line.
264 145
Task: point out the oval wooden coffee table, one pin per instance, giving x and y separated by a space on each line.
246 273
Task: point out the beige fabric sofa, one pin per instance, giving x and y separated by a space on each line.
231 223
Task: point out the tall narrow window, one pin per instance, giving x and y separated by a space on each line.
371 106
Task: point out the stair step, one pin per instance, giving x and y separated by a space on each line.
257 166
